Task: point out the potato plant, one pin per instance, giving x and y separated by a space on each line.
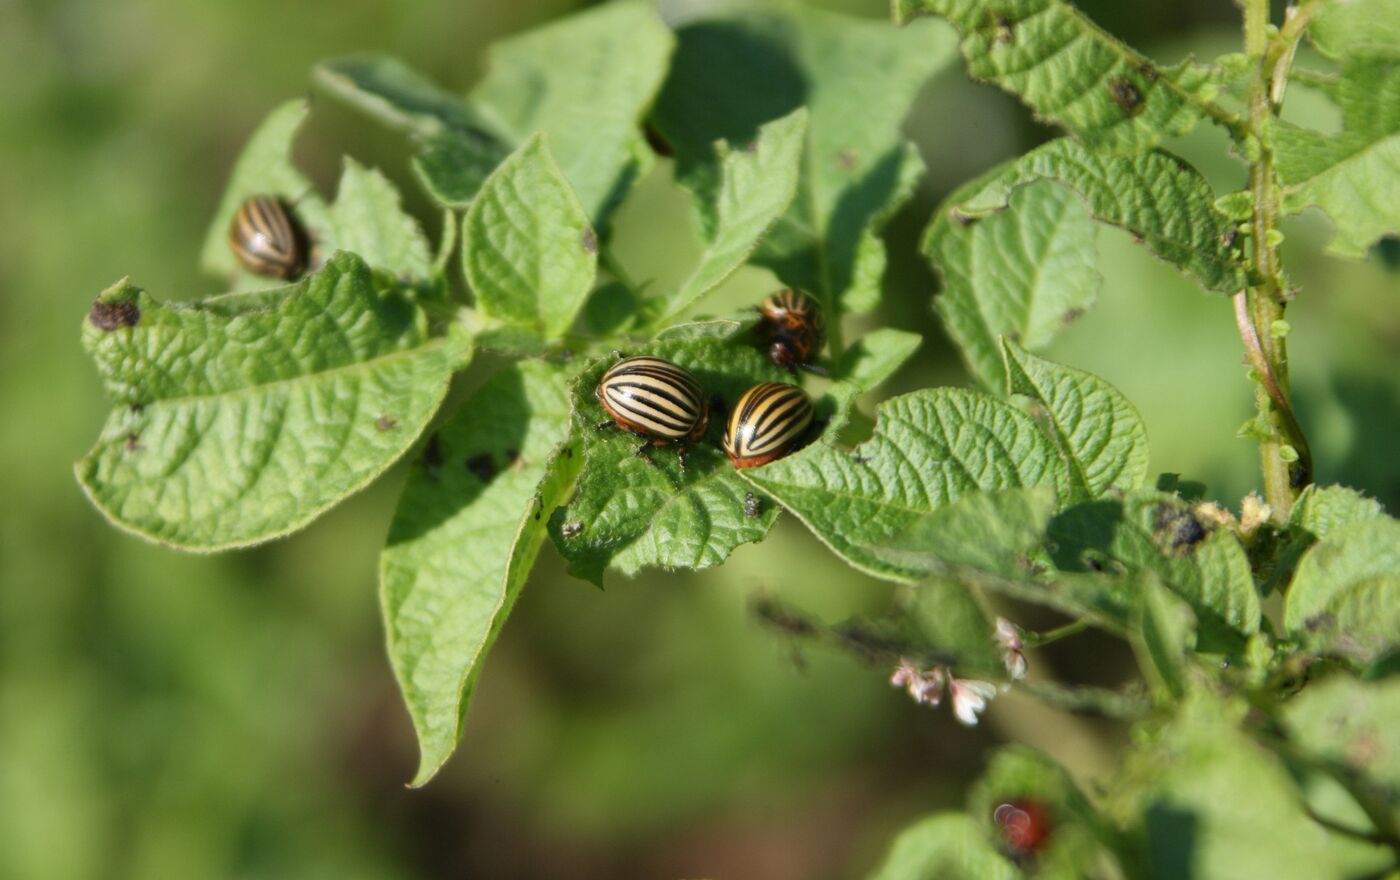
1266 629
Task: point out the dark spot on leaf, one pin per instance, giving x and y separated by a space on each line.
847 159
1004 32
1227 238
1324 621
136 409
1298 475
590 240
960 218
1138 239
751 147
109 316
1093 563
482 466
386 423
658 143
432 457
568 452
1148 72
1070 316
133 442
1125 95
572 529
753 505
1178 529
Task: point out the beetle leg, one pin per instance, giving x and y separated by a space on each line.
681 451
644 453
815 368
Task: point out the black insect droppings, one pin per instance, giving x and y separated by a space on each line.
386 423
590 240
1070 316
1178 529
482 466
1004 31
1148 72
847 159
133 442
110 316
753 505
658 143
1125 95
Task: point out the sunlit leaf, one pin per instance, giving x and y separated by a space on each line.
236 426
1345 596
947 846
469 525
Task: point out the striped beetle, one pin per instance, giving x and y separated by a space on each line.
267 238
792 324
656 399
768 422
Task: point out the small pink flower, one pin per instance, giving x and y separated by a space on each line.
970 698
1008 635
925 686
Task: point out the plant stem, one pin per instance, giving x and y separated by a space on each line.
1285 458
1038 640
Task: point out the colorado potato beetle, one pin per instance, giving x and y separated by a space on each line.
268 239
792 324
768 422
656 399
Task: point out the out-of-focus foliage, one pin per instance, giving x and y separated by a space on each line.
170 716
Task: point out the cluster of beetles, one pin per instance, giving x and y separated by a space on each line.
646 396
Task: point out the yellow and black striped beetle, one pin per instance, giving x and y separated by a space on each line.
768 422
655 399
268 239
791 323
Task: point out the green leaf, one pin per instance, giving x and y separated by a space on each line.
1018 774
1157 533
994 541
856 168
757 183
944 846
1156 196
585 81
528 250
1199 796
876 356
952 627
1100 433
368 220
367 217
1351 725
929 448
1353 175
1345 29
236 425
1316 514
1071 72
629 513
1167 633
264 167
1024 273
1345 596
468 527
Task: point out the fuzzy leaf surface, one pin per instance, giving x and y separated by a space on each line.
629 513
586 81
1150 531
368 220
949 846
1352 724
1353 175
1024 273
1345 596
233 426
467 530
1179 797
1100 433
856 168
1071 72
929 448
527 246
1357 29
757 183
1156 196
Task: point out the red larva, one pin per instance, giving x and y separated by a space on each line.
1025 826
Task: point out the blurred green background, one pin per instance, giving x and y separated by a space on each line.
175 716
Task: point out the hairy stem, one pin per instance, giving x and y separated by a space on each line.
1285 457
